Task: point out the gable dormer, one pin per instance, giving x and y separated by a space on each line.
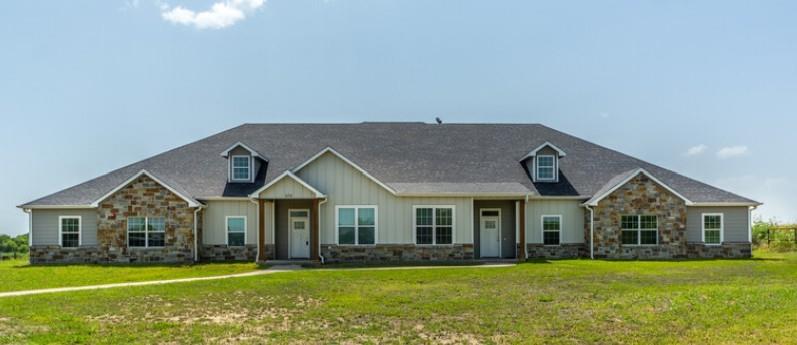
243 163
542 163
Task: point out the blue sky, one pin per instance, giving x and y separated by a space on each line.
90 86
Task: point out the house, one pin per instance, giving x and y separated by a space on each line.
388 192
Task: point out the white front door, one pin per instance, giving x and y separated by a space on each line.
299 227
489 235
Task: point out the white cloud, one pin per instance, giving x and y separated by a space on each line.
732 151
219 16
696 150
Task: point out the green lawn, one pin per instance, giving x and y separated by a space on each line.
546 302
18 275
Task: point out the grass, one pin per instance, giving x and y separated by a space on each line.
18 275
541 302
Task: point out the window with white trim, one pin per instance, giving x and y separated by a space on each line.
356 225
551 230
236 231
546 168
69 228
434 225
712 228
639 230
241 168
146 232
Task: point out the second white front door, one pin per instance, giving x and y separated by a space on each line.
489 235
299 227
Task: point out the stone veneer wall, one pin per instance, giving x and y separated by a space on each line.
737 250
145 198
563 251
396 252
640 196
226 253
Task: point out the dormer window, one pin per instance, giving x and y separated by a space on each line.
546 168
244 163
542 163
241 168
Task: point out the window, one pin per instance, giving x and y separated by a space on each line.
712 228
546 168
146 232
639 230
434 224
69 229
236 231
551 230
241 168
356 225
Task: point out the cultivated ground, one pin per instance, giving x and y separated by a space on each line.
566 301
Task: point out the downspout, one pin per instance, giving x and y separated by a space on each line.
196 239
591 232
30 226
750 223
324 201
257 207
525 220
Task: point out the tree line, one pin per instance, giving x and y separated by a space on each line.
13 246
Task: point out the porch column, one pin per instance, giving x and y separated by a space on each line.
314 236
521 254
261 229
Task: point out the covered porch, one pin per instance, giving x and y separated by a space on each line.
499 229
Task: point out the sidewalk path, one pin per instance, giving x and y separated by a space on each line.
272 270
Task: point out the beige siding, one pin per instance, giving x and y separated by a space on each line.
215 226
45 226
287 188
735 223
344 185
572 219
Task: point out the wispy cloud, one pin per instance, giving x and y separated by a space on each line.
220 15
696 150
732 151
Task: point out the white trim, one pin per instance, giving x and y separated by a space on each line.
639 230
434 224
309 231
146 233
750 224
703 228
591 232
196 240
250 169
54 207
254 153
533 153
191 202
79 230
290 174
543 231
555 176
224 198
500 242
356 224
596 199
257 227
357 167
725 204
227 229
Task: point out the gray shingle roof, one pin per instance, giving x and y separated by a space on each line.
409 157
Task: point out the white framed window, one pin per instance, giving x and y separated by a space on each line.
356 225
713 226
146 232
240 168
434 224
639 230
551 230
69 228
546 168
236 231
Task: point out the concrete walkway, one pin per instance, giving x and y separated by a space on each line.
271 270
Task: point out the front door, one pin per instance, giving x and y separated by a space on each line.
489 235
299 228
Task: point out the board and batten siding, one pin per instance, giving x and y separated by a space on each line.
736 223
572 219
214 231
287 188
45 226
345 185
